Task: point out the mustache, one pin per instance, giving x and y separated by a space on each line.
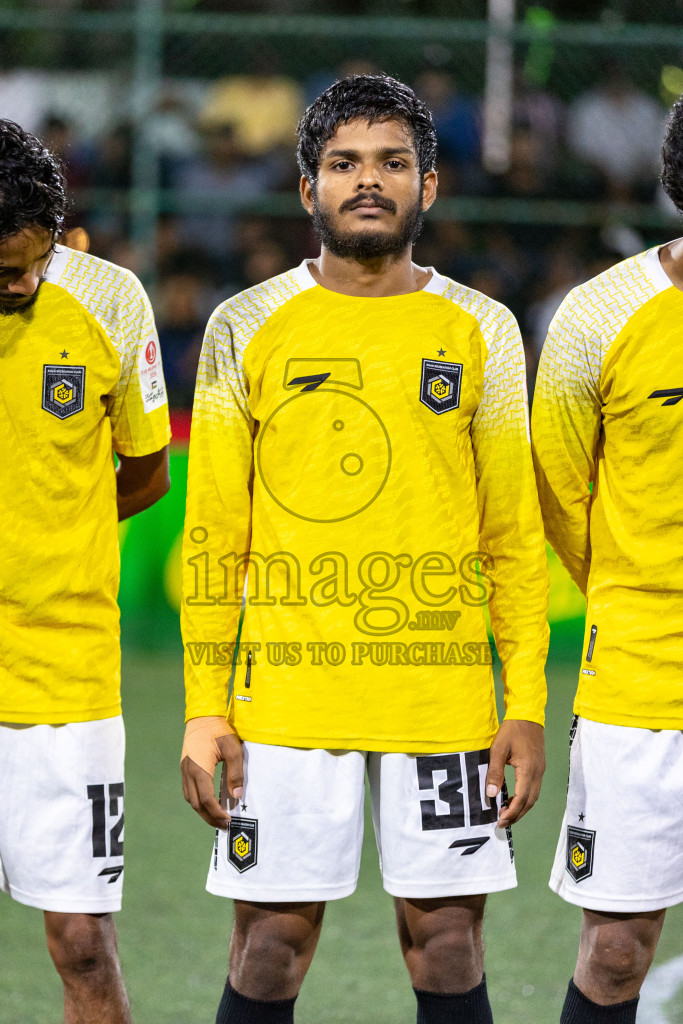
382 201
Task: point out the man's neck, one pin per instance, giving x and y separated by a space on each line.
671 259
374 278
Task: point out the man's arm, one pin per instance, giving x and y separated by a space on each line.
567 419
217 536
511 533
141 481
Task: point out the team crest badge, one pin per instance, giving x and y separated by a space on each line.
242 843
580 844
63 390
440 385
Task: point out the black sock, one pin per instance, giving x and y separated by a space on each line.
237 1009
471 1007
579 1009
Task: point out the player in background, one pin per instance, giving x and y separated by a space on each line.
607 413
81 379
360 439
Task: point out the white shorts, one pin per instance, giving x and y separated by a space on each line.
621 845
296 835
61 815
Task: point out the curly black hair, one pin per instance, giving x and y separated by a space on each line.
370 98
31 183
672 156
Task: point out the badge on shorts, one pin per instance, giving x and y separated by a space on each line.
580 844
63 390
440 385
242 843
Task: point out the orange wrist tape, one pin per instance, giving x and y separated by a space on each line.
199 742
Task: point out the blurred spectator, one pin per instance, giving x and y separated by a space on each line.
114 158
183 303
77 157
618 130
265 260
262 107
457 122
221 172
542 115
564 270
321 79
171 134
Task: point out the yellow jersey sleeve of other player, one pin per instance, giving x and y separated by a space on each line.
607 436
81 378
364 464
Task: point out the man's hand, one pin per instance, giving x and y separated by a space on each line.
208 741
520 744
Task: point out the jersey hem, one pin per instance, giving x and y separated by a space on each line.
58 718
382 746
630 721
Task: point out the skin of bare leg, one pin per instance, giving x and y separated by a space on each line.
615 953
84 950
272 946
441 942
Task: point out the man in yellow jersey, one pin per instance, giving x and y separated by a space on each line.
607 412
81 379
360 444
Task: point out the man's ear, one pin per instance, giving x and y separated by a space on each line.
306 192
429 181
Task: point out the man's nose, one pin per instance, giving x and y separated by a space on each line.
369 177
25 284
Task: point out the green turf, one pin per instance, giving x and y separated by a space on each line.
174 936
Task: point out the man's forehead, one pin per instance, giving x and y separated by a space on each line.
362 133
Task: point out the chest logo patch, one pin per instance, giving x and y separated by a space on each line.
440 385
63 390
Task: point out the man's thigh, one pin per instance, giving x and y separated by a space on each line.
621 843
296 834
435 827
61 815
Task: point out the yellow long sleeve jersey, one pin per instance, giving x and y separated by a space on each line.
607 411
367 461
81 374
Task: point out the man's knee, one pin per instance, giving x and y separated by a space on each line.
621 959
272 947
616 951
81 945
442 943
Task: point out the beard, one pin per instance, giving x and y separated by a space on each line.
365 245
20 307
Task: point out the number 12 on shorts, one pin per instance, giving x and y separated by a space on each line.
100 796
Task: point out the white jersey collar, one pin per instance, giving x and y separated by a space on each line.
305 278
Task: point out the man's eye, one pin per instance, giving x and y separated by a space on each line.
395 164
342 165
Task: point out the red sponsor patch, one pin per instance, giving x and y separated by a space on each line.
151 352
